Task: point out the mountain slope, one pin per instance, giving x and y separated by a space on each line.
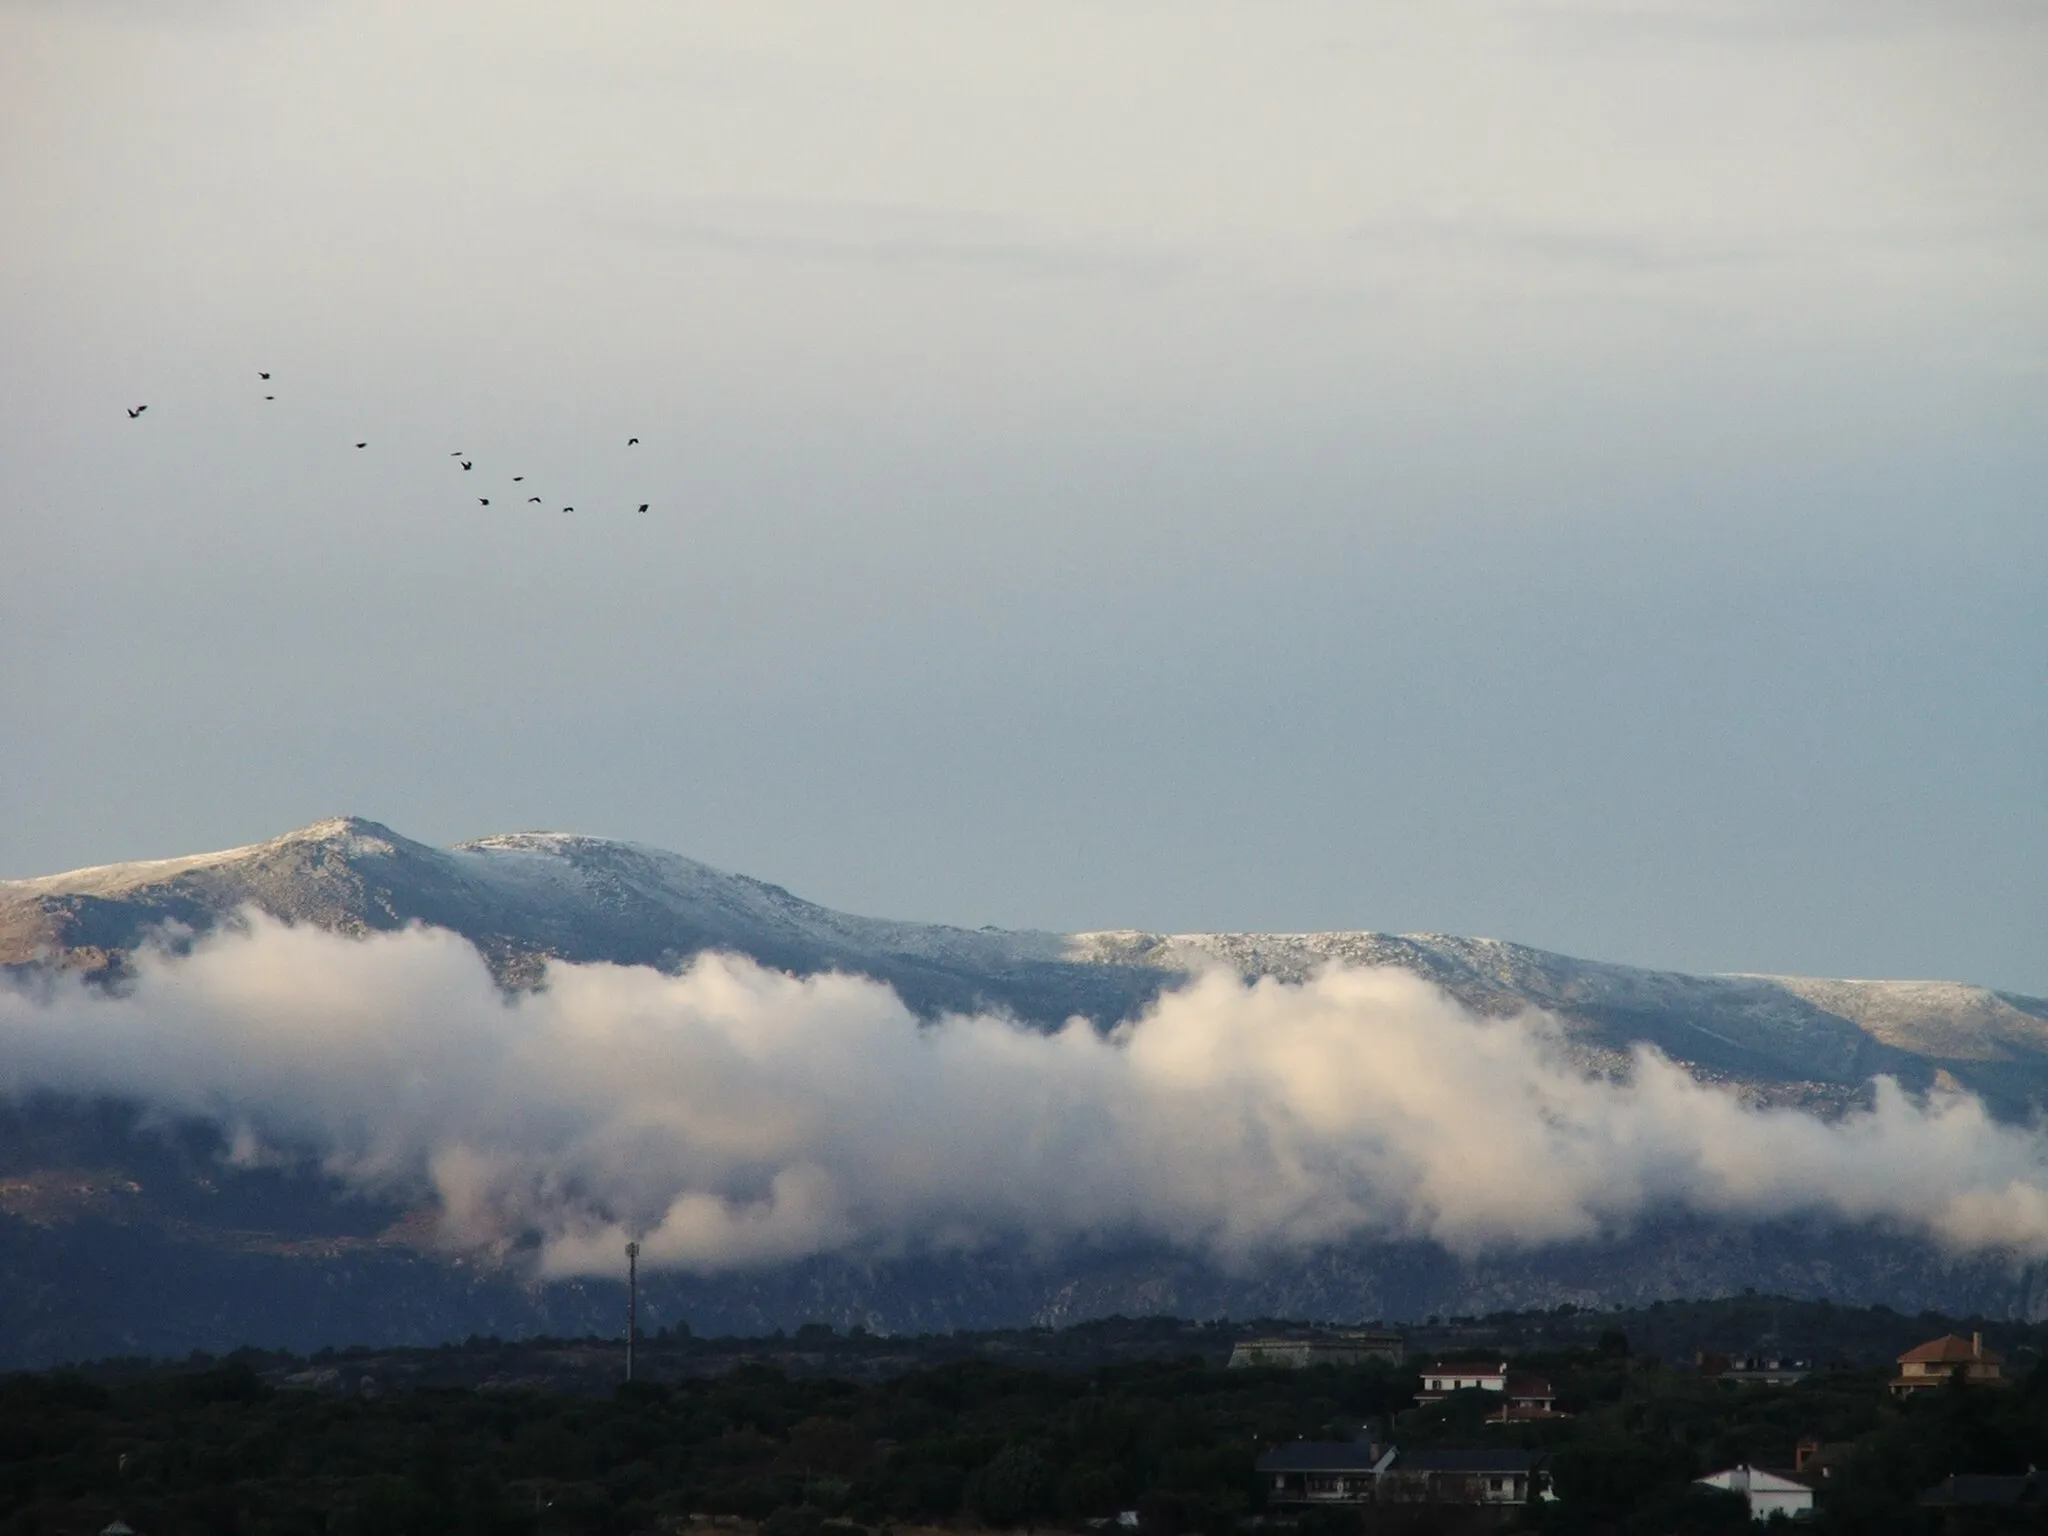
119 1233
523 898
527 897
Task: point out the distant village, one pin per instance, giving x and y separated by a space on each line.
1373 1470
1650 1423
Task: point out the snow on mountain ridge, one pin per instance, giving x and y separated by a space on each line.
600 865
352 834
602 870
1932 1018
526 897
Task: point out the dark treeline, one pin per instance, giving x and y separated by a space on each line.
1818 1331
226 1446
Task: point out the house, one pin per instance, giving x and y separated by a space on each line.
1311 1473
1324 1472
1815 1460
1528 1397
1442 1378
1523 1396
1768 1493
1948 1358
1752 1370
1354 1346
1490 1477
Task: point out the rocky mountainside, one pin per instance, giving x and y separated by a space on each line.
120 1234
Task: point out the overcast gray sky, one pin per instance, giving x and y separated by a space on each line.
1572 472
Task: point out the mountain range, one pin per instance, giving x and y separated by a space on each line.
118 1234
528 897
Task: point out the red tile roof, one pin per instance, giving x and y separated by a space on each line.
1949 1350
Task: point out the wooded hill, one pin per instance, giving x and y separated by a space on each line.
1031 1427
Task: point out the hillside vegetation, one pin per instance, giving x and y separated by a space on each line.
1018 1429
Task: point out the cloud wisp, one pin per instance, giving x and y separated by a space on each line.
734 1117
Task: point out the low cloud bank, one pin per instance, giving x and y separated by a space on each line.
735 1117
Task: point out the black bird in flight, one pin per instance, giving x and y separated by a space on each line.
643 506
517 478
483 501
456 454
262 375
533 498
568 509
631 441
270 397
465 464
135 411
362 445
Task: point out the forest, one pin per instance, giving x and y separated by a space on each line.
983 1432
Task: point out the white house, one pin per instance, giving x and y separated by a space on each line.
1769 1493
1524 1396
1445 1377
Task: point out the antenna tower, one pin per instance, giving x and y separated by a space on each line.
632 1302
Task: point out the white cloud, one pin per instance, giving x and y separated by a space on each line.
736 1117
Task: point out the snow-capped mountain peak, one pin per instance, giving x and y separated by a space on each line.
526 897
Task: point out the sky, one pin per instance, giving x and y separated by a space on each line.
1565 472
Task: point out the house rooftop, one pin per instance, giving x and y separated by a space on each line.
1949 1349
1322 1456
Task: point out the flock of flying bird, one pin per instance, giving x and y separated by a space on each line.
135 411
